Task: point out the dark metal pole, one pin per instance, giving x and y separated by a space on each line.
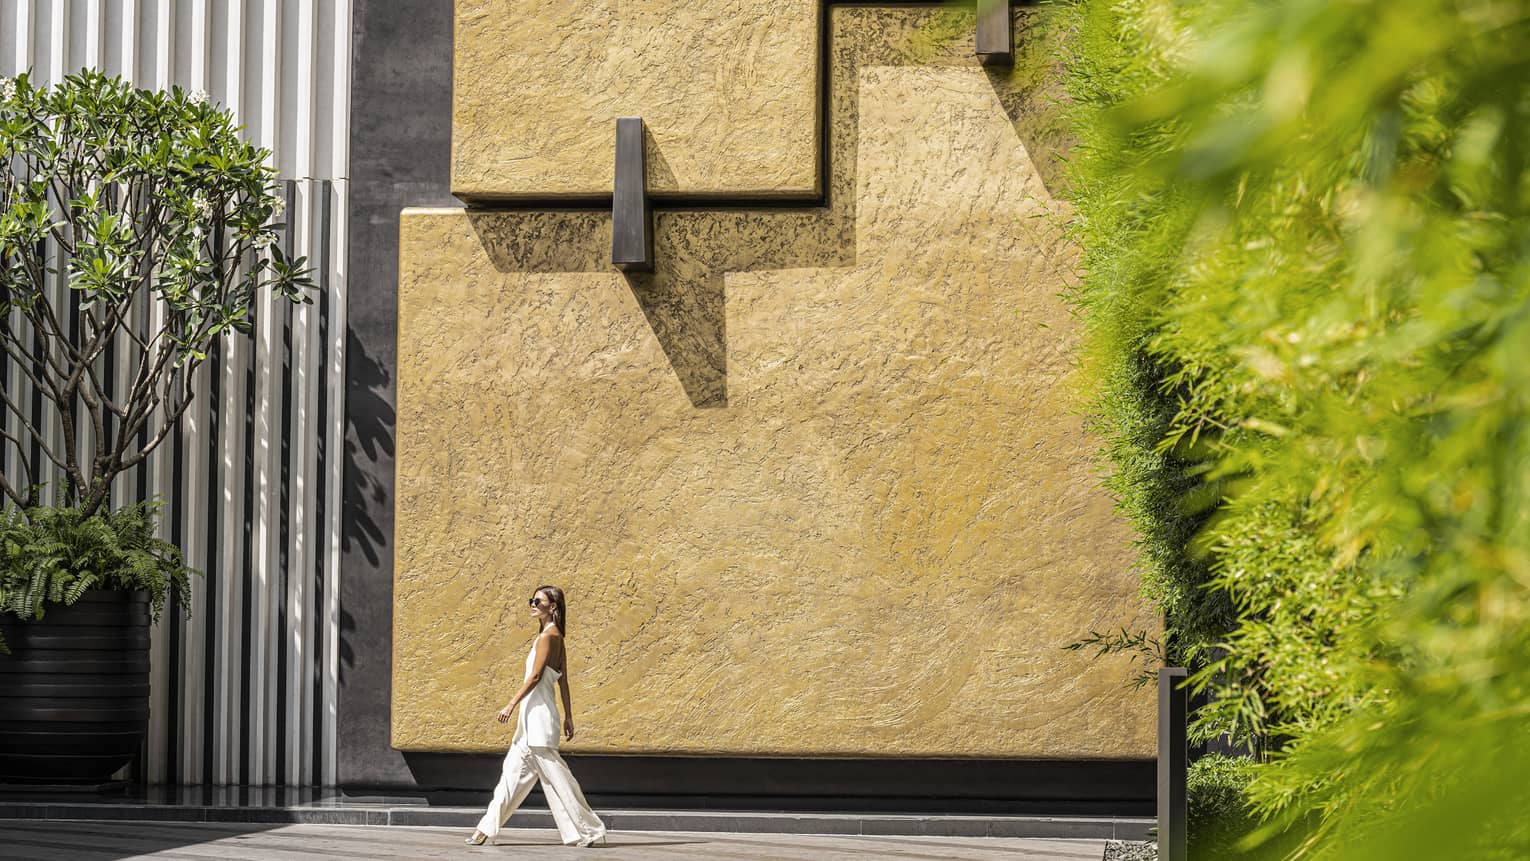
1172 762
631 223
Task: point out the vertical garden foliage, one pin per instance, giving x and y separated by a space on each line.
1307 290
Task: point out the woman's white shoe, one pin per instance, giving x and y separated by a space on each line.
592 841
477 839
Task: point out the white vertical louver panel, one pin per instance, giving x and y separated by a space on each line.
162 31
58 39
156 756
91 26
261 18
164 683
245 690
299 504
191 455
231 586
332 107
301 40
127 40
21 33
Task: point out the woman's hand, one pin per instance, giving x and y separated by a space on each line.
504 713
568 728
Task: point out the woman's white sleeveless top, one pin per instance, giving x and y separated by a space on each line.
538 723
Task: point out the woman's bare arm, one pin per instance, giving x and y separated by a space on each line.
568 703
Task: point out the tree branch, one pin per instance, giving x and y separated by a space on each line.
37 436
11 492
173 418
26 464
19 353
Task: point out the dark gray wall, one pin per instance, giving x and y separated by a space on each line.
401 96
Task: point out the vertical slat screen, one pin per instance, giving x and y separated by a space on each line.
244 690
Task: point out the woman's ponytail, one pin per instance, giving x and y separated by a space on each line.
560 610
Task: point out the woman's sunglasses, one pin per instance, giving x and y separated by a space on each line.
535 602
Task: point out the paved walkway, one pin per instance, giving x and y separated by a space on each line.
108 841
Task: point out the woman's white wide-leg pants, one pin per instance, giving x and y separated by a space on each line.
523 767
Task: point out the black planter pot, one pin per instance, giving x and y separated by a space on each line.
74 691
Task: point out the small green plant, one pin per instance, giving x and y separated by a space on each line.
52 555
1216 789
1146 651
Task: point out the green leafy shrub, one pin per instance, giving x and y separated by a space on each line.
1216 788
53 555
1306 287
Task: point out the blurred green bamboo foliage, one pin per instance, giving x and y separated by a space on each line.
1307 291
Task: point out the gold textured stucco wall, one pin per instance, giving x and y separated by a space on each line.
728 90
816 486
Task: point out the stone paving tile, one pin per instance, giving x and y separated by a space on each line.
113 841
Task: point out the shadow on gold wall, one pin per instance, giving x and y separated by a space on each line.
683 298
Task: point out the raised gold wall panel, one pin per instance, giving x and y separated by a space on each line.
817 486
727 88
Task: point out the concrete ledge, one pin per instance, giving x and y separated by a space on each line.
1088 827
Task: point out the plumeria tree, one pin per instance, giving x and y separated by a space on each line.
136 199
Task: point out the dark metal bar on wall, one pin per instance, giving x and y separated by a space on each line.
995 44
1172 806
631 218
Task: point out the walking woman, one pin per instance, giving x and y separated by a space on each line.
534 750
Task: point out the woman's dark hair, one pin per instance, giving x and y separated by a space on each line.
560 610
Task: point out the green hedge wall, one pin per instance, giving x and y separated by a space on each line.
1306 283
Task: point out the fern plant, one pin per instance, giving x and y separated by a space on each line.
53 555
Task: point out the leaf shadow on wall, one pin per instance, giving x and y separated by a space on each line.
371 418
369 441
